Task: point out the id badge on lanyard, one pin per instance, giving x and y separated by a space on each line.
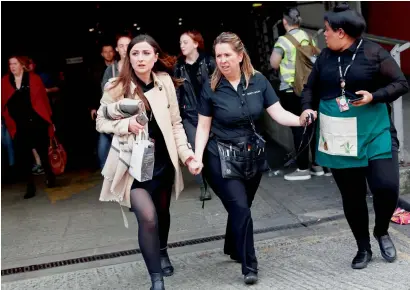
341 101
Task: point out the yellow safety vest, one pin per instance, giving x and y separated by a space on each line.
287 65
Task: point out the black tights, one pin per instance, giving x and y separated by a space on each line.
152 212
382 177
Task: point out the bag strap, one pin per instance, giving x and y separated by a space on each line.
293 40
296 43
243 83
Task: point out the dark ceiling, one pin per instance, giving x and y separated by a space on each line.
53 31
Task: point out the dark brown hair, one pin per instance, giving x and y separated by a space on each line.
127 75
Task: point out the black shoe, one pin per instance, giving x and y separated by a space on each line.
363 257
31 191
166 266
387 248
157 281
205 194
251 278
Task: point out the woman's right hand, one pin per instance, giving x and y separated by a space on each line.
134 126
305 117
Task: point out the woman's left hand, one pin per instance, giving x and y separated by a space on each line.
367 98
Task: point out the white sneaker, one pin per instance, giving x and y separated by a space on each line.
317 170
298 175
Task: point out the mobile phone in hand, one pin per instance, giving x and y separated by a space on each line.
353 97
142 118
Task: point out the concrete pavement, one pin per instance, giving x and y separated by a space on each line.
316 257
70 222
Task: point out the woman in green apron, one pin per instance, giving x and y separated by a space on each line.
353 79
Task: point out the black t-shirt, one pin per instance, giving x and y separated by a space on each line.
162 159
229 108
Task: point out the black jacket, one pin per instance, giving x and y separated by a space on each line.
187 98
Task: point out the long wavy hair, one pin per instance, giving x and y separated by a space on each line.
165 63
237 45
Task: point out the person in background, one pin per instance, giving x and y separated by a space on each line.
195 68
113 70
95 87
97 73
283 58
27 114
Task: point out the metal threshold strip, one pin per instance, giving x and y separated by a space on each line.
87 259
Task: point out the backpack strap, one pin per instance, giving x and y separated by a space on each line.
296 43
293 40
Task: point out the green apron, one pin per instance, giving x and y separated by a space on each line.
352 138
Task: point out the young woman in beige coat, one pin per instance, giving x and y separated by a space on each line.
144 76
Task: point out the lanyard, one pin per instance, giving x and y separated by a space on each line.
343 76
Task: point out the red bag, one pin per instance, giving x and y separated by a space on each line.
57 156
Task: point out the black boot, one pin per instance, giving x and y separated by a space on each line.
363 257
205 194
166 266
31 190
157 281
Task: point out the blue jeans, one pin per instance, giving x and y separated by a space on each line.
7 143
104 145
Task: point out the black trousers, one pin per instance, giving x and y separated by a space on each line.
237 197
382 175
24 142
291 102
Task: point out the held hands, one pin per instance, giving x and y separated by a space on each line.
194 166
305 118
134 126
367 98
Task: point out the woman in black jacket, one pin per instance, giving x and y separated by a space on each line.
195 68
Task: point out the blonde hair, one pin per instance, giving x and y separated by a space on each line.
237 45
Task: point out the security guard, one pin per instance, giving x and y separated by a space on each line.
284 58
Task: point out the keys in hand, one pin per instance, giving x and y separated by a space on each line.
308 117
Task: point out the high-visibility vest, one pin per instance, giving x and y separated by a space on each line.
287 65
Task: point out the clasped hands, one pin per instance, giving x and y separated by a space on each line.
194 166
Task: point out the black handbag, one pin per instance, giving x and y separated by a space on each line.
243 157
